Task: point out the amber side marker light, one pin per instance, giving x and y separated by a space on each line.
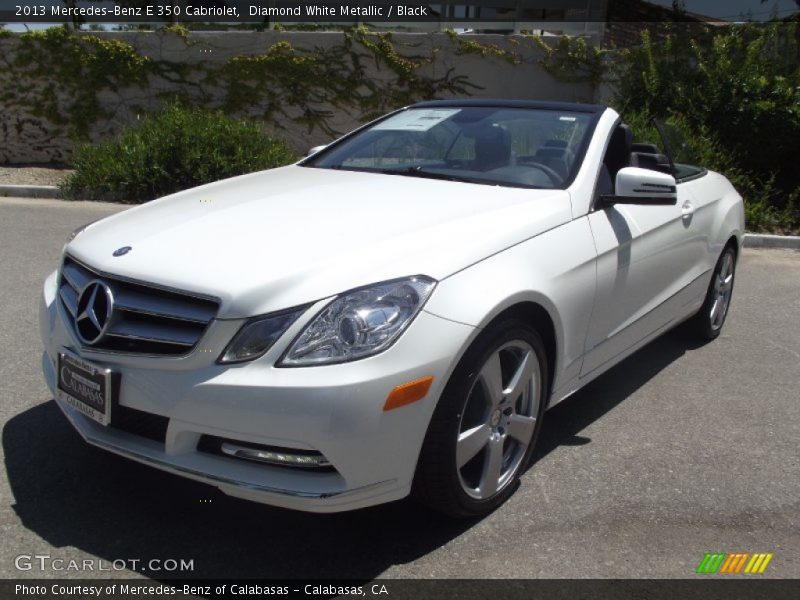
407 393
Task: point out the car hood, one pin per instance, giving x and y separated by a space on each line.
293 235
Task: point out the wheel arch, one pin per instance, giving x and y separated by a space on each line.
540 319
728 225
735 243
424 487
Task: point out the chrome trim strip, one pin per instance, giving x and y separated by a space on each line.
141 338
71 303
154 332
170 308
74 278
159 315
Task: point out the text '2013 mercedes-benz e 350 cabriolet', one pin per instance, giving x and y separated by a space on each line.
393 314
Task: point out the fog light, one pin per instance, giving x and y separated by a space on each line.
287 459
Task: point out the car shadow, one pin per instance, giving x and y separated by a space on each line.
73 495
563 422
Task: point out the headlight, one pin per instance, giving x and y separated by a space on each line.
75 234
258 335
78 231
359 323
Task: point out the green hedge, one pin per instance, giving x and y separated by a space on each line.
735 92
169 151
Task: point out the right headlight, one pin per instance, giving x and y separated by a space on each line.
359 323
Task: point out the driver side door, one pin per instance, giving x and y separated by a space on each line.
644 260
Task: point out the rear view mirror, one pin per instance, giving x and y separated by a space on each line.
642 186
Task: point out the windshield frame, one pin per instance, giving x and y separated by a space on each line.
594 112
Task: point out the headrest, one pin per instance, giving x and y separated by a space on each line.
646 147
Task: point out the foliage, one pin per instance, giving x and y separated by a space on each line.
177 28
73 68
737 92
175 149
286 83
60 75
703 148
573 59
466 45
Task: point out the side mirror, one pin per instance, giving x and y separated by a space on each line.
316 149
642 186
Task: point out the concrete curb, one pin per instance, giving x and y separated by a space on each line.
30 191
761 240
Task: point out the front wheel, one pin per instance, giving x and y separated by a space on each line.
707 323
483 431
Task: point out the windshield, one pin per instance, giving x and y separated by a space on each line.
520 147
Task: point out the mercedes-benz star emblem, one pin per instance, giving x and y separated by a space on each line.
95 304
122 251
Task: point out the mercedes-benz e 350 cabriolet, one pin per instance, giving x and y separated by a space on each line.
393 314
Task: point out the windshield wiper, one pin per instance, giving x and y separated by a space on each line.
418 172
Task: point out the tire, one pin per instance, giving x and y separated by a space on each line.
484 429
707 324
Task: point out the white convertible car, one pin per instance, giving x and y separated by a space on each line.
391 315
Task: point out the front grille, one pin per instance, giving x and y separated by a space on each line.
145 319
138 422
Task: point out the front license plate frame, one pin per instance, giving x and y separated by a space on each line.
85 386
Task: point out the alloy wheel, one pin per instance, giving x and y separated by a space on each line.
498 419
723 288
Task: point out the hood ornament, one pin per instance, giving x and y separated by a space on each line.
122 251
95 306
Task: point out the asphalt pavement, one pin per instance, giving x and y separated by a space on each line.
680 450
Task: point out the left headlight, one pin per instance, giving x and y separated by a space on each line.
359 323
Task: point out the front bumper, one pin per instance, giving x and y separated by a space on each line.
336 410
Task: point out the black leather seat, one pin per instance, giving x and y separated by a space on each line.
646 147
492 149
618 153
569 156
555 158
653 161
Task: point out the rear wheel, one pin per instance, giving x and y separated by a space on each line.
483 431
707 323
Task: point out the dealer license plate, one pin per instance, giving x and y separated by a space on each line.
85 387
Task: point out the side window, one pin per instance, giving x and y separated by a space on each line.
684 171
681 156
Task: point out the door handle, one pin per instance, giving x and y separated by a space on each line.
687 210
